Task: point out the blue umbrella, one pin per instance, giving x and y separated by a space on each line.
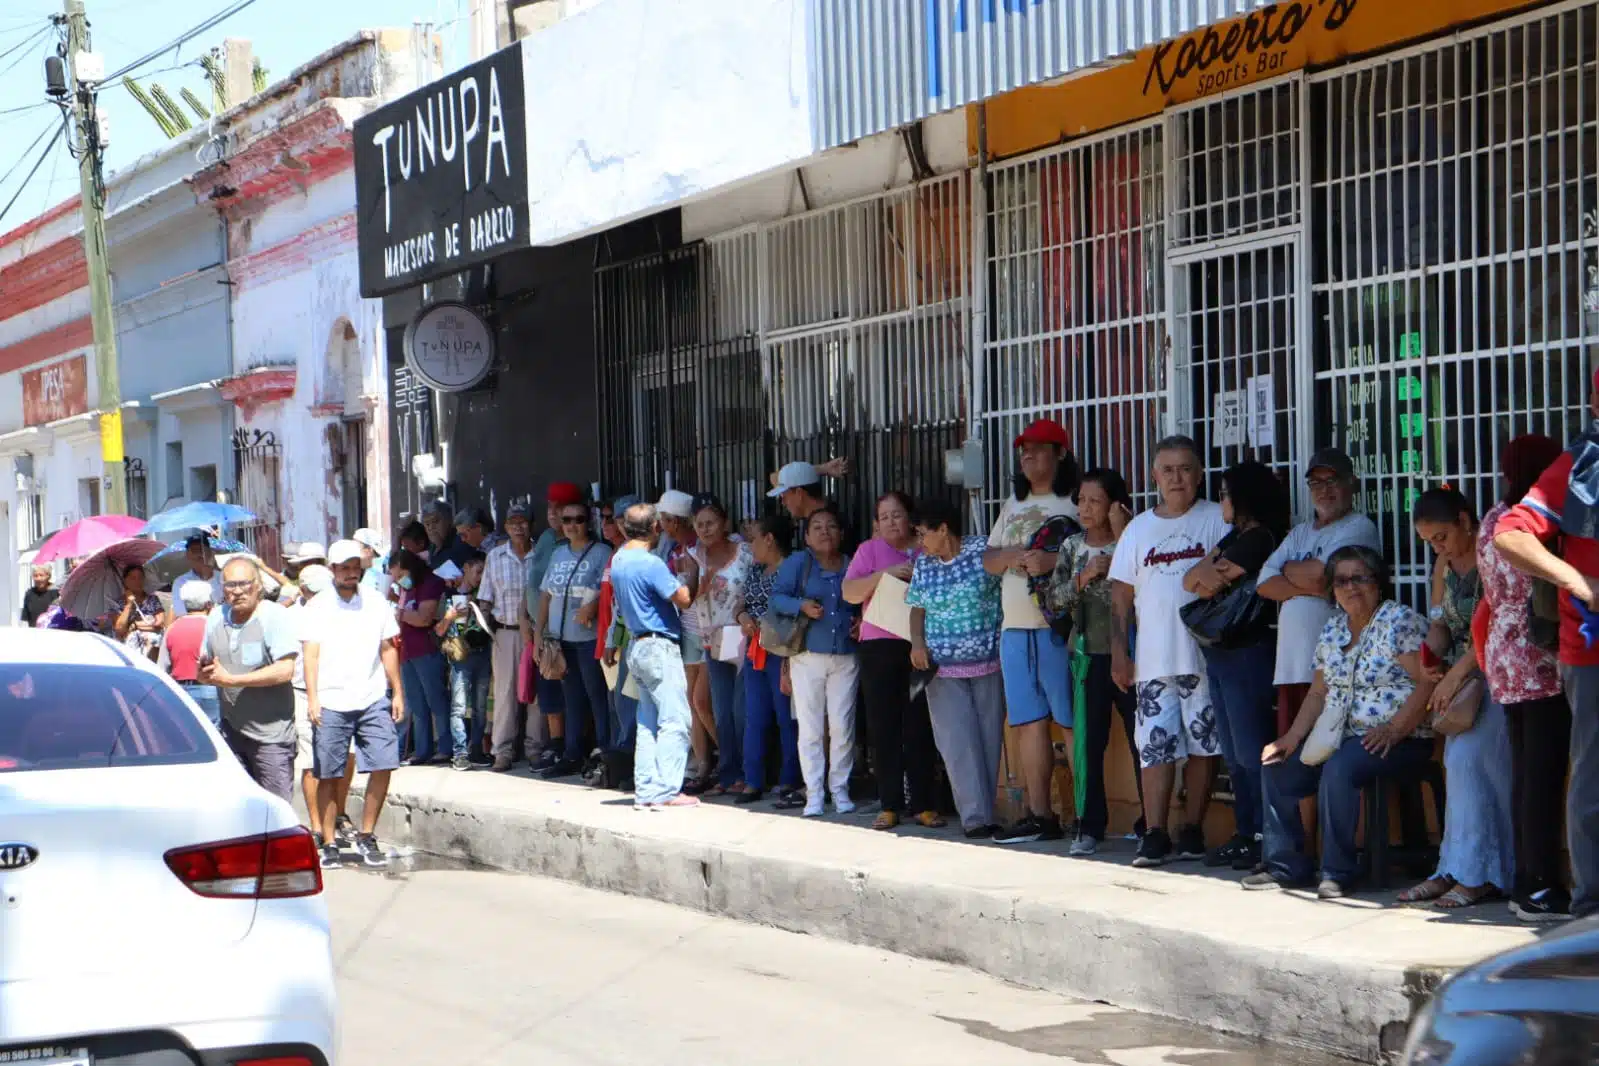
201 514
169 563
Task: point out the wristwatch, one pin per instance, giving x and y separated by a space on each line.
1436 614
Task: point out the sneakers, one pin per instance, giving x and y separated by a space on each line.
561 768
1240 853
502 764
343 831
980 832
1084 846
1330 889
543 761
1547 905
461 762
331 859
1154 850
843 805
1190 843
1261 882
372 853
812 810
1030 829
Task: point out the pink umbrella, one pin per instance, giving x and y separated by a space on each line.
87 536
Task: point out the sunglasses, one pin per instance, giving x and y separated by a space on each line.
1353 581
572 520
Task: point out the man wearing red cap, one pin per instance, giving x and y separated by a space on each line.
1035 663
1564 506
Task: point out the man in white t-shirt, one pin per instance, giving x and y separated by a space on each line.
202 567
352 667
1034 661
1295 575
1176 718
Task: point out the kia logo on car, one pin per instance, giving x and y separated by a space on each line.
16 856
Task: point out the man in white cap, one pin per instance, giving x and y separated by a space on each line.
302 556
315 580
376 576
676 513
353 693
798 487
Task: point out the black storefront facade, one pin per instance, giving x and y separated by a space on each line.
490 343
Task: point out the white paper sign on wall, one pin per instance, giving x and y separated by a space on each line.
450 347
1228 413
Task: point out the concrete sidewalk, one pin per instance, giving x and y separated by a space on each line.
1181 942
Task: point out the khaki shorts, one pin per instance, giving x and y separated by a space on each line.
304 749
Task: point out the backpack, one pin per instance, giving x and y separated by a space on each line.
1049 538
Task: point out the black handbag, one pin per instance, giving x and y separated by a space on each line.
1235 619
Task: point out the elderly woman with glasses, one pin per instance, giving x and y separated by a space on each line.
1368 673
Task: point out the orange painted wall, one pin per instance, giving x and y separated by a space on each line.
1287 37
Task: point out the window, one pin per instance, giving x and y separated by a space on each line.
88 496
65 717
203 482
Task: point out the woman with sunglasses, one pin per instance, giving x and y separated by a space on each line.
568 612
1367 670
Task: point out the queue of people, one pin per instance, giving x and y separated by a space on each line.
653 648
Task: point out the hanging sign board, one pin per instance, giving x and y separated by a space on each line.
441 176
449 347
54 392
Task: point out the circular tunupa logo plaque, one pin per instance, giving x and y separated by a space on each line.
449 347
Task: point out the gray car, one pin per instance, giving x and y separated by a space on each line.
1535 1006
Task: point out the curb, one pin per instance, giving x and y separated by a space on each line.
1149 959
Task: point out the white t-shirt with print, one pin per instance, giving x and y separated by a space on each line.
1300 620
1019 521
1153 556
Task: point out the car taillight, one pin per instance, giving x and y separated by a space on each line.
291 1060
277 865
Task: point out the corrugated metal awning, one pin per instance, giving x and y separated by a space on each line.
880 64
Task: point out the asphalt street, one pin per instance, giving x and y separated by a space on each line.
443 965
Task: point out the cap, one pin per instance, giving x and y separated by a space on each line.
676 503
562 493
344 551
308 551
316 579
1332 459
368 537
796 475
1044 431
438 507
196 540
472 516
622 503
522 510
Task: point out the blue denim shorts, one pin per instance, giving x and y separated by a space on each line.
1036 667
377 743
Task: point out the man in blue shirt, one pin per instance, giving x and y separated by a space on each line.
648 597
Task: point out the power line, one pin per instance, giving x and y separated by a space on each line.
32 38
37 163
187 35
22 155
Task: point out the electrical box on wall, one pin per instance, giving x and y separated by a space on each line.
963 466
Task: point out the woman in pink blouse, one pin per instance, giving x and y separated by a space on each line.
1525 678
900 733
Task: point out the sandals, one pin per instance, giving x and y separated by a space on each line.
931 820
791 799
886 820
1460 897
1431 889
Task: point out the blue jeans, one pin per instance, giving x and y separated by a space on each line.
765 706
1246 717
729 721
1582 793
427 704
469 701
206 696
661 750
624 711
583 689
1336 784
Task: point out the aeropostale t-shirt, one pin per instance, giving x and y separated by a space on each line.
1153 556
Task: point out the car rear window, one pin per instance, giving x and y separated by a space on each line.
57 717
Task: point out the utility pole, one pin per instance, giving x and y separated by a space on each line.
91 179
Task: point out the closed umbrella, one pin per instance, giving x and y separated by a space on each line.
201 514
87 536
95 585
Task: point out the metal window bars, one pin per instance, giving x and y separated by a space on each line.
1077 317
841 331
1455 260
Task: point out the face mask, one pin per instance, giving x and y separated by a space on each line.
406 582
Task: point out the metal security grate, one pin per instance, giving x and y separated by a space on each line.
842 331
1236 165
1077 320
1456 246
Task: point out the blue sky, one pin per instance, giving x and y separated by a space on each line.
284 34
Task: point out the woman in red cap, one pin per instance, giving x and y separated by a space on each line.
1035 663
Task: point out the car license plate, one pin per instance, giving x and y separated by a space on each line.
46 1056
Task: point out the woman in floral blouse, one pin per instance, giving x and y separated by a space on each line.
136 620
1525 678
1369 674
1079 588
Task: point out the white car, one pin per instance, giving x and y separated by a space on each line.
156 906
